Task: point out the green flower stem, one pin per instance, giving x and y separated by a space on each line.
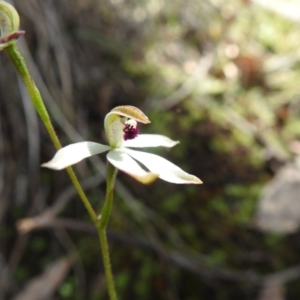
35 96
107 267
110 179
105 213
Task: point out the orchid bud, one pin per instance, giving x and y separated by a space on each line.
9 25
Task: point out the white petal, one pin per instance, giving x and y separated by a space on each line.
166 170
74 153
125 163
150 140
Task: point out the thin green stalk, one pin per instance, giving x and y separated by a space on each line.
105 213
107 267
110 181
35 96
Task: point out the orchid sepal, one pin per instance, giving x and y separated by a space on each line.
166 170
74 153
122 161
150 140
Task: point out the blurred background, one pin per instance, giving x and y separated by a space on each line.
220 76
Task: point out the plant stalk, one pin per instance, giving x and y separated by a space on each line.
19 63
35 96
105 213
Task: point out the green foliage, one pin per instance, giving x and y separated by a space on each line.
67 289
217 257
122 280
172 204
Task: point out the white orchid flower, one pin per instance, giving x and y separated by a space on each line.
122 132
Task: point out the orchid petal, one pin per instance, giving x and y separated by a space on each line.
114 126
166 170
150 140
125 163
74 153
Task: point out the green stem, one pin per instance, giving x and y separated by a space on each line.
110 181
105 213
35 96
107 266
19 63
